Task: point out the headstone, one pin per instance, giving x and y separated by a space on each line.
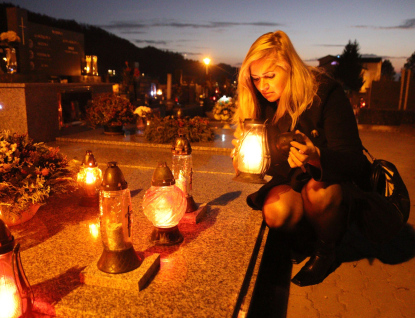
43 49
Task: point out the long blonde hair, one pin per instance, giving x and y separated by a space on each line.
301 86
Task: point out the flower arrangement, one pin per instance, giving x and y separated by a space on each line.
165 130
143 111
31 172
8 37
109 110
224 109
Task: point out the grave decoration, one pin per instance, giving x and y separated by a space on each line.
110 111
29 174
166 129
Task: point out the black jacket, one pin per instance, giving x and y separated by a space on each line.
342 159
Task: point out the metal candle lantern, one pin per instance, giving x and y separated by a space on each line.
15 292
89 180
182 169
164 204
253 154
119 255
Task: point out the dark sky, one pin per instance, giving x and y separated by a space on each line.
224 30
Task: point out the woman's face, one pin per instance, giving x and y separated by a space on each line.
269 77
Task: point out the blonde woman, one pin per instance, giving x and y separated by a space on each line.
307 185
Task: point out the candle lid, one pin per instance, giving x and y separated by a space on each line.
89 159
162 176
6 238
181 146
113 179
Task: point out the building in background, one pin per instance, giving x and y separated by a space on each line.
371 68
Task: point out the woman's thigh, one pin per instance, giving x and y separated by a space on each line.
320 197
283 207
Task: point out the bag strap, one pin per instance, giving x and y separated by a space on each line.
367 151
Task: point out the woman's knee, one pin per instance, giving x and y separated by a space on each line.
282 208
320 197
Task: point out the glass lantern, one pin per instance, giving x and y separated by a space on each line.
15 293
164 204
182 169
253 156
119 255
89 180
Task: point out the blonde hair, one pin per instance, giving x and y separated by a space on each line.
301 87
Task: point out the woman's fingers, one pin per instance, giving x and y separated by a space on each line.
295 162
308 149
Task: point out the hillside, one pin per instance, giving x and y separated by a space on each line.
113 51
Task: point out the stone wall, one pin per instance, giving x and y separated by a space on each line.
32 108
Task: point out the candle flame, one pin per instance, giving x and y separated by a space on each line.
90 177
251 154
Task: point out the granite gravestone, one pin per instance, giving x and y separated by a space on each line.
45 50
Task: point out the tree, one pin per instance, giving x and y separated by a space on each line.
349 69
387 70
410 64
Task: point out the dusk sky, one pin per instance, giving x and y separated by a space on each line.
224 30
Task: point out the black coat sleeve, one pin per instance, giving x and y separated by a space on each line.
341 154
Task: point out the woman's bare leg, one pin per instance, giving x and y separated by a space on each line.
283 208
322 208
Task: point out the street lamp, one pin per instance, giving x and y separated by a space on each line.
207 61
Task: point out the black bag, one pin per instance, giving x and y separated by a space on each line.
381 213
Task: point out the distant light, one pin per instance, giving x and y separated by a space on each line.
334 63
1 106
206 60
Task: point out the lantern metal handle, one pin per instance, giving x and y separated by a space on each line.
22 281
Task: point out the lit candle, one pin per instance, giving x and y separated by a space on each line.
10 302
115 218
182 169
15 291
164 204
89 180
182 182
251 154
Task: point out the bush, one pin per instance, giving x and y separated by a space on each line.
110 110
165 130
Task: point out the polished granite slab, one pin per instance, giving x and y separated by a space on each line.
204 276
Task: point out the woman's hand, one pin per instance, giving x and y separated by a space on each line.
301 154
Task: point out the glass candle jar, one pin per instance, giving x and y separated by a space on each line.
253 154
116 223
164 204
15 292
182 169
